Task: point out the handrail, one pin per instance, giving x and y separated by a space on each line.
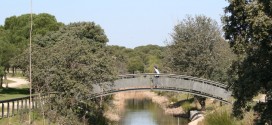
177 76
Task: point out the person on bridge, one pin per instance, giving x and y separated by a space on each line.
155 81
156 71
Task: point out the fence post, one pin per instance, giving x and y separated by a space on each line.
22 104
8 110
3 110
18 106
12 113
25 103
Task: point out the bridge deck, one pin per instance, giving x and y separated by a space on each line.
164 82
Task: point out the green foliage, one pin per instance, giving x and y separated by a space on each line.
19 25
219 118
17 28
186 106
247 26
198 49
16 36
135 64
2 71
120 56
139 59
6 49
151 55
23 118
70 61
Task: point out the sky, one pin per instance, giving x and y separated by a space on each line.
128 23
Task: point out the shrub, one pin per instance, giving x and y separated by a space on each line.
186 106
219 118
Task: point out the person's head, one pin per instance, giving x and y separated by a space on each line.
155 67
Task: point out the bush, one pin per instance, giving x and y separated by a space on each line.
219 118
186 106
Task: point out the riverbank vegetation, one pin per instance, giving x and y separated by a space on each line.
247 26
23 119
70 58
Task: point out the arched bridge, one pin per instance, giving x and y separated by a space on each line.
164 82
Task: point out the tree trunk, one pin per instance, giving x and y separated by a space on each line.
13 71
5 76
1 82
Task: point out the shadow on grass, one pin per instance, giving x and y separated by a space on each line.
14 91
179 103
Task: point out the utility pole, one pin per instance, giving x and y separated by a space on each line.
30 70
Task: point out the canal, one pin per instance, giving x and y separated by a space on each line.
145 112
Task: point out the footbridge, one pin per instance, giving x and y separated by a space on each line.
164 82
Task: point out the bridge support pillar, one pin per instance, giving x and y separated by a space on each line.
201 101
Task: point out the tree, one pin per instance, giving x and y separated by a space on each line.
199 50
135 64
2 73
6 51
247 26
151 55
17 32
120 56
70 61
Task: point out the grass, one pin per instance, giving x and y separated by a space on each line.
7 96
222 116
175 97
9 93
23 119
186 106
219 117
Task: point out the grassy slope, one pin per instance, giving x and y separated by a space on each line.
9 93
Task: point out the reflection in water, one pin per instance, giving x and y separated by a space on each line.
145 112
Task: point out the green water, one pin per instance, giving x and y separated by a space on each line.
145 112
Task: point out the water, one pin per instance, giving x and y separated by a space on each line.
145 112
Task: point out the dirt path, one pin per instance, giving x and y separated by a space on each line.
18 81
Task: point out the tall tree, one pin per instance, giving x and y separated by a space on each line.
17 31
6 51
70 61
248 27
199 50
